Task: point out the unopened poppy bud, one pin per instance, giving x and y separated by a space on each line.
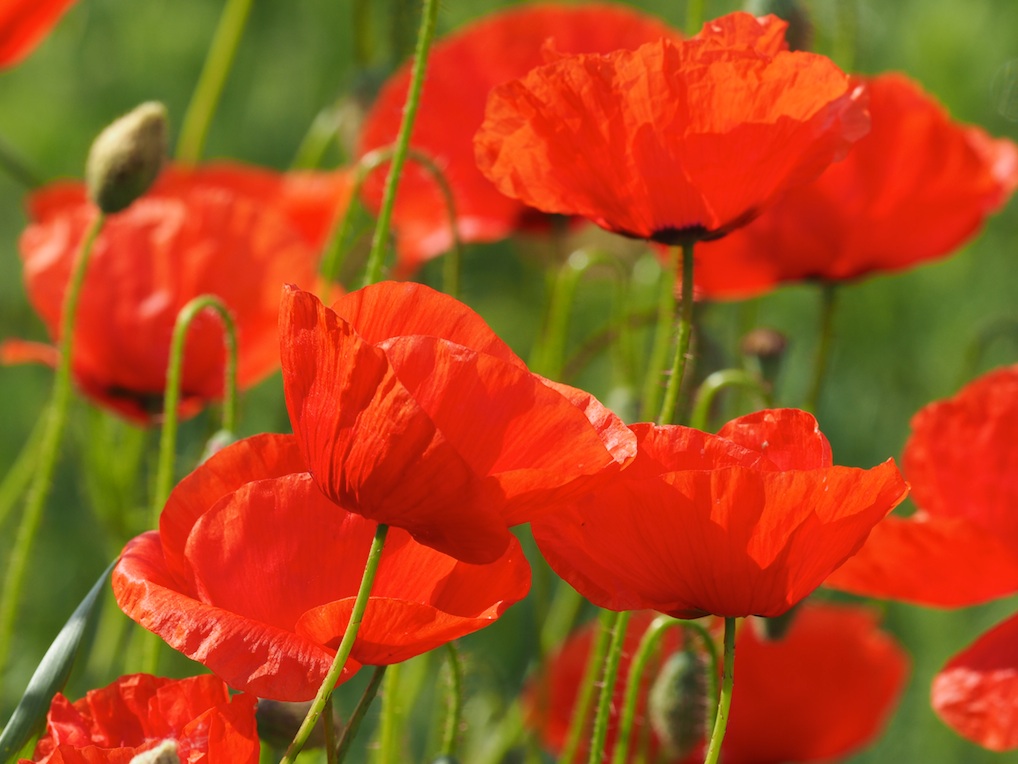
278 722
164 753
774 629
800 26
677 705
767 347
126 157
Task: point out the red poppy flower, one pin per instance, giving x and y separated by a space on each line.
23 24
410 411
675 139
138 712
961 546
228 230
745 522
462 70
976 693
823 691
914 189
253 573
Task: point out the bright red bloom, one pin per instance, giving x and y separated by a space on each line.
138 712
675 139
233 231
23 24
961 545
253 573
745 522
462 70
914 189
410 411
976 693
820 693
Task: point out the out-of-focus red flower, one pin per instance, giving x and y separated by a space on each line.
976 693
138 712
820 693
409 410
254 572
673 140
236 232
961 545
462 70
745 522
23 24
914 189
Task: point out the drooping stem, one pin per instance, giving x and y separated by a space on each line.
218 61
455 700
345 647
354 722
684 331
608 681
174 373
426 33
49 444
714 384
828 306
578 723
725 699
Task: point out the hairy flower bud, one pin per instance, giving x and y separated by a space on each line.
164 753
677 705
126 157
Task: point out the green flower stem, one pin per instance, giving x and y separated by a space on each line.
714 384
648 644
49 445
694 16
333 258
828 306
578 724
725 700
662 338
225 40
608 680
376 258
454 714
354 722
19 476
684 332
16 167
388 723
311 151
345 647
560 617
175 370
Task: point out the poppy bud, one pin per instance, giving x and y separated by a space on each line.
164 753
767 346
126 157
677 704
800 26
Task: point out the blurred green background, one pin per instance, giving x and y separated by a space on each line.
901 341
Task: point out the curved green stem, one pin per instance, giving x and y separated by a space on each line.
684 332
16 167
388 723
174 373
223 50
578 723
354 722
648 644
608 680
725 700
345 647
662 337
828 297
452 720
714 384
55 417
19 476
376 258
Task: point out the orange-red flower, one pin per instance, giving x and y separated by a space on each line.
673 140
914 189
976 693
821 692
409 410
23 24
138 712
236 232
462 70
961 545
745 522
253 573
